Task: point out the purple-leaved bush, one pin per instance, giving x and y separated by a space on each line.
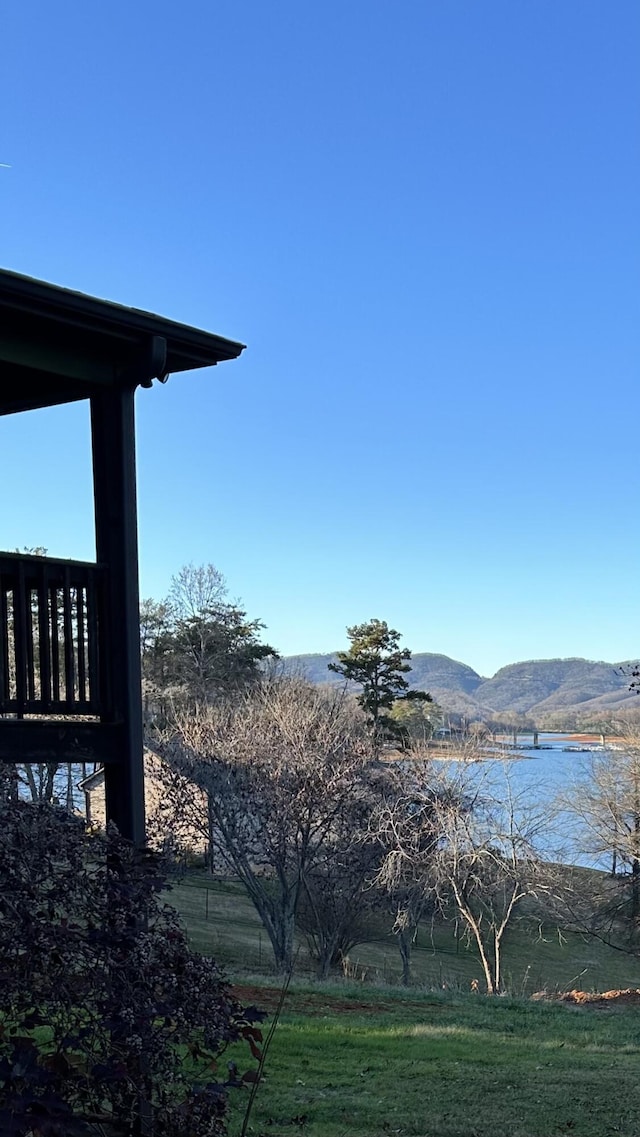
109 1024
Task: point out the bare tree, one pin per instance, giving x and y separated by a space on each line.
52 782
264 778
604 804
39 778
337 907
197 602
472 844
404 825
196 589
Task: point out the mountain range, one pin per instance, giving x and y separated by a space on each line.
538 688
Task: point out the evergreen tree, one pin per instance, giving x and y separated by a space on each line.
377 663
196 646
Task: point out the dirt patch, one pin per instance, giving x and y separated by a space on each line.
310 1003
603 1000
267 999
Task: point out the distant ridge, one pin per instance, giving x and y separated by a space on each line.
535 687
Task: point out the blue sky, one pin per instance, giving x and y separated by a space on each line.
422 219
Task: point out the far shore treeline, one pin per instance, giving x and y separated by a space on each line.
196 635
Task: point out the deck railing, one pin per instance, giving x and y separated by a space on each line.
51 619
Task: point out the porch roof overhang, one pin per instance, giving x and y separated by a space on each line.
59 346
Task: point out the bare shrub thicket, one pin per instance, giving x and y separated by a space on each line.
603 804
268 779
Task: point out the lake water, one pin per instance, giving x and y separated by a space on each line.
541 775
554 765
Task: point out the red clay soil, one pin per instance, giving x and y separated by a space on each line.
267 999
602 1000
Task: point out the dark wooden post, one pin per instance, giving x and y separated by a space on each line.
114 476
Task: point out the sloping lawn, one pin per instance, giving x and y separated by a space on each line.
222 922
366 1063
368 1060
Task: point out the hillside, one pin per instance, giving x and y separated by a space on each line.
537 687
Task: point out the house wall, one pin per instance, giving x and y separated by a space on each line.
188 837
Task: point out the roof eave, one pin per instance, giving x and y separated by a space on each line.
187 347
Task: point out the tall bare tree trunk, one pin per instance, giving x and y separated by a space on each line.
405 937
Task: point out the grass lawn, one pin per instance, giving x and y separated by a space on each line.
366 1059
363 1063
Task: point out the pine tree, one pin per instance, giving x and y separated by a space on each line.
378 664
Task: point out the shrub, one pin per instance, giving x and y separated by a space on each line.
109 1024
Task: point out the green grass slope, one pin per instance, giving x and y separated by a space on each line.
358 1065
363 1058
222 922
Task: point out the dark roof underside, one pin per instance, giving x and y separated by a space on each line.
57 346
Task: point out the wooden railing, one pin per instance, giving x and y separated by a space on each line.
51 621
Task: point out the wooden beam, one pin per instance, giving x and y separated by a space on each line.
114 474
27 741
71 360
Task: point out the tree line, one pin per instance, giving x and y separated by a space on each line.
324 801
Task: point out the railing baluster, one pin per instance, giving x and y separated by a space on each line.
31 653
55 642
69 677
4 642
20 639
44 631
93 641
80 621
51 636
